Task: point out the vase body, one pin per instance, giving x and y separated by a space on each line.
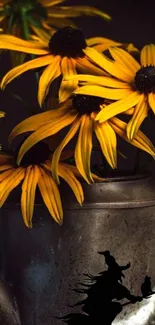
45 264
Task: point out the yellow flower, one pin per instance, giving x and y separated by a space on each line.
80 114
131 85
34 170
22 17
62 54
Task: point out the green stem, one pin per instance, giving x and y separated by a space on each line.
10 23
27 35
25 24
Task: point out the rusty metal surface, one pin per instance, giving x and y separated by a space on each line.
44 264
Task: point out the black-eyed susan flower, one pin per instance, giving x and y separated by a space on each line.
131 85
35 170
80 113
62 54
22 17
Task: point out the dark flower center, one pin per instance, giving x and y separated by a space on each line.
38 154
67 41
145 79
85 104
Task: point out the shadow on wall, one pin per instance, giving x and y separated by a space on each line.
103 292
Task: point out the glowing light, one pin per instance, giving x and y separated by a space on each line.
140 316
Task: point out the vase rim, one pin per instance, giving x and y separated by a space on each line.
129 178
130 191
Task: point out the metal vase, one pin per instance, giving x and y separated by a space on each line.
53 268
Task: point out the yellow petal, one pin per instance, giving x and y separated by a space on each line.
103 47
99 80
58 23
10 183
124 58
47 27
34 122
49 74
44 132
103 92
10 42
43 36
83 148
140 113
140 140
68 67
1 19
130 111
65 172
56 156
101 40
108 65
118 107
33 64
59 13
28 194
91 11
108 142
75 11
78 174
6 174
85 66
151 100
131 48
121 126
147 56
50 195
5 167
50 3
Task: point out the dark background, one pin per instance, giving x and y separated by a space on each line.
132 21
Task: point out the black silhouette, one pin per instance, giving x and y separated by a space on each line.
104 291
146 287
113 266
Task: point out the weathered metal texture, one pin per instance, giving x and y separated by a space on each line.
46 263
9 313
118 192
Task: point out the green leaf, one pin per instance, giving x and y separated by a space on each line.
34 21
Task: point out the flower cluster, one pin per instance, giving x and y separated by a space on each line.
23 17
40 18
97 80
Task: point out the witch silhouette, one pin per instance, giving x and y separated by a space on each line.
104 292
